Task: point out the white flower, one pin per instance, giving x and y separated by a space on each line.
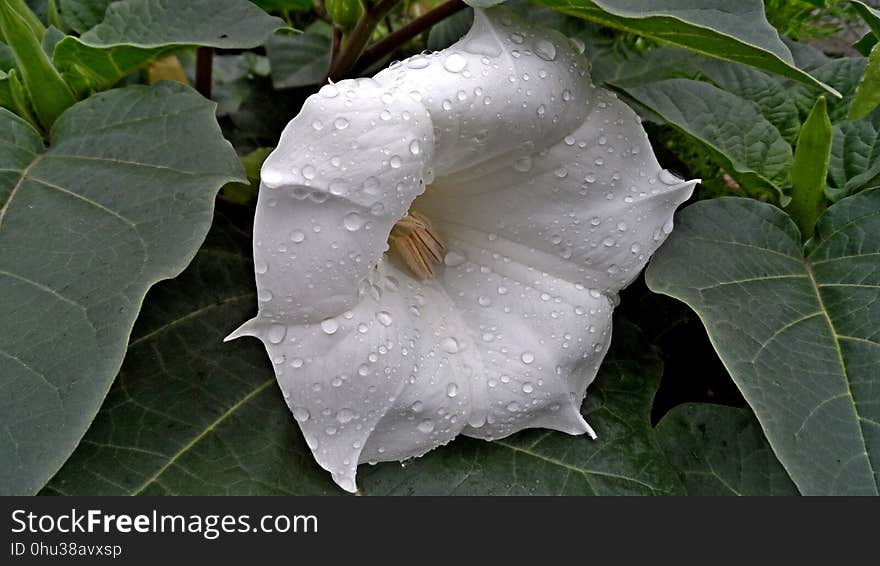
548 198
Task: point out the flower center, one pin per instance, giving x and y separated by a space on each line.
414 240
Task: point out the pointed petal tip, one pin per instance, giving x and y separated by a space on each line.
245 329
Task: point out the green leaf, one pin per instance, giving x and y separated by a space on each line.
810 169
796 328
869 14
733 129
855 156
867 95
31 21
625 459
733 31
450 30
189 414
758 87
721 450
83 15
122 199
298 60
135 32
47 91
844 75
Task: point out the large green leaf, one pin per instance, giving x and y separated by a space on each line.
734 31
844 75
83 15
758 87
624 460
120 200
720 450
731 128
189 414
855 156
798 329
298 60
136 31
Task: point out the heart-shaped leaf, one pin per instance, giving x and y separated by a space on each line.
796 327
855 156
733 129
298 60
734 31
134 32
720 450
120 200
189 414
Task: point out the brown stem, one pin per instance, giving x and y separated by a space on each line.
204 69
337 43
392 41
359 37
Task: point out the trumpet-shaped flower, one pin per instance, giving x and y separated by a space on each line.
438 249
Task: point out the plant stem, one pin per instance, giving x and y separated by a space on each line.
359 37
392 41
204 70
337 43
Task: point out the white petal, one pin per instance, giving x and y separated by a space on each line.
589 209
540 339
346 169
387 380
505 89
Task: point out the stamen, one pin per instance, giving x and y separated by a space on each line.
417 244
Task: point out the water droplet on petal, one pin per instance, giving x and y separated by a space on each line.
344 416
384 318
297 236
527 357
353 221
301 414
329 326
452 390
449 345
454 259
546 50
426 426
276 333
415 147
340 123
455 63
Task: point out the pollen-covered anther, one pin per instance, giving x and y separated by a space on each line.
415 241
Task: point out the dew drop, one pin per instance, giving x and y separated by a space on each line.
276 333
426 426
301 414
450 345
452 390
384 318
545 50
297 236
454 259
527 387
353 221
415 147
455 63
395 161
340 123
329 326
345 415
527 357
